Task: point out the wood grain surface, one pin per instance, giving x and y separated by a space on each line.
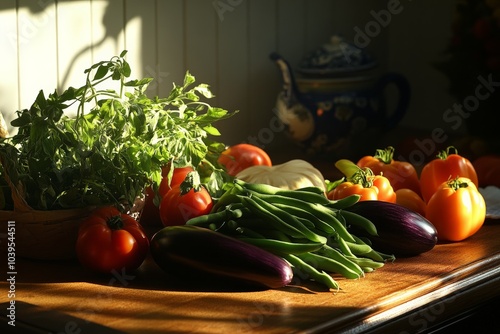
408 295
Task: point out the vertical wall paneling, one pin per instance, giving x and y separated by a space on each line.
411 42
108 38
264 77
320 23
9 86
200 24
38 61
232 68
291 29
353 22
74 40
140 38
170 45
224 43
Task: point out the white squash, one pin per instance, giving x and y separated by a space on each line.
292 175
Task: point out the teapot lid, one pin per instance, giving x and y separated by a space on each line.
336 57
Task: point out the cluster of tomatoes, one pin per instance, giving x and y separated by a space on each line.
446 191
174 205
111 240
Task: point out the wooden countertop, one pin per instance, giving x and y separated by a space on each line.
63 297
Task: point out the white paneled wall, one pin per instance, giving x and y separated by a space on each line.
47 44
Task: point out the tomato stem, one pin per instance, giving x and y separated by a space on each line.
385 156
457 183
347 167
443 154
355 174
115 222
364 177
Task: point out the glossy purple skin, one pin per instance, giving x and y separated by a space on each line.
401 231
190 249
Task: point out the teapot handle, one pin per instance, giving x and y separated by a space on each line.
404 90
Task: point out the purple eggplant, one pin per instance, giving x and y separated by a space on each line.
401 231
187 250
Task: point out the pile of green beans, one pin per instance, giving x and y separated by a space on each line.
302 226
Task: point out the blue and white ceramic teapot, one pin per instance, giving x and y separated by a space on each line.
335 101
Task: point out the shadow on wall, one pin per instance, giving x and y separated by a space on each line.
111 29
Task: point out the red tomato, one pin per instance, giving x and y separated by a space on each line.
411 200
238 157
177 208
445 167
488 170
401 174
150 215
178 176
456 209
110 240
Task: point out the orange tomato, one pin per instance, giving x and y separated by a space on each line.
445 167
401 174
385 191
362 182
346 189
456 209
411 200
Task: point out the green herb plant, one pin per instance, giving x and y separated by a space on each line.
117 143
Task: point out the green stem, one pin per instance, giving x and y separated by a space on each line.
443 155
386 155
457 183
115 222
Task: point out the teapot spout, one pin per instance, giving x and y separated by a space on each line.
290 91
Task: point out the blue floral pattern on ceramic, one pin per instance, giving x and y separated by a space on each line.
325 119
335 58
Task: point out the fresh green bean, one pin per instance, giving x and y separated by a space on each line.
343 203
338 256
229 197
300 267
341 245
299 212
358 249
279 247
328 264
290 220
319 210
302 226
365 262
257 187
360 221
277 235
378 256
307 223
312 189
304 196
205 220
273 220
